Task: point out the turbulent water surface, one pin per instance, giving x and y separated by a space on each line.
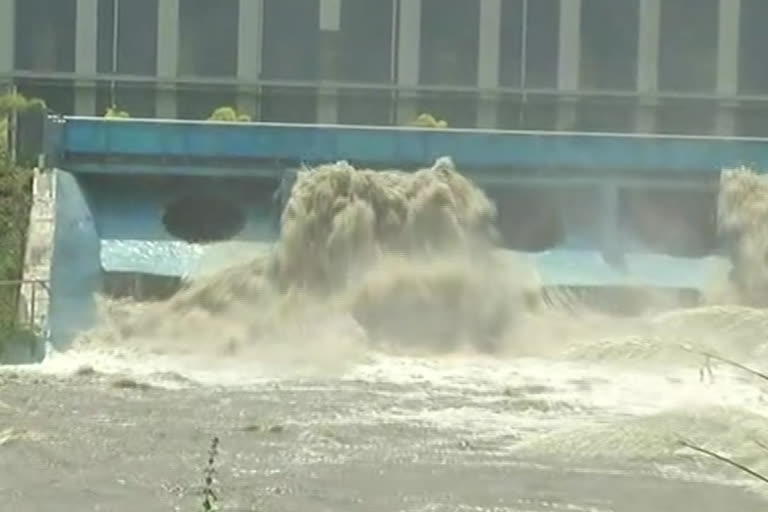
390 433
397 368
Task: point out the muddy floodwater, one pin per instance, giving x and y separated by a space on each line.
391 434
381 357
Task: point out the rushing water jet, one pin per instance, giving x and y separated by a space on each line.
410 258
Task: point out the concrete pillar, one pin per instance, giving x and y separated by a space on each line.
330 15
611 240
249 53
7 37
649 36
85 55
408 52
328 106
329 23
167 56
488 61
728 63
569 61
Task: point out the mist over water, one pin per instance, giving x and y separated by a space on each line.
395 279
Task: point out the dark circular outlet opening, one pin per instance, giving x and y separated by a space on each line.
203 218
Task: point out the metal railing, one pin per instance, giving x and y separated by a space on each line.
23 320
249 85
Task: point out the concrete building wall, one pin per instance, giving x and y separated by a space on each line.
673 66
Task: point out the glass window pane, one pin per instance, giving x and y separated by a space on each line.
688 46
208 37
543 38
609 32
449 42
45 35
291 39
366 41
753 73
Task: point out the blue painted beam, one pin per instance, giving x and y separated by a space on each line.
82 139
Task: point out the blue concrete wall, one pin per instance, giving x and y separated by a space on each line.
133 209
115 225
133 238
471 149
75 266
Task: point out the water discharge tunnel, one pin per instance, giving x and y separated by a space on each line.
142 204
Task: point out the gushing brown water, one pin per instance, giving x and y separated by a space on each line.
394 257
743 222
408 261
392 261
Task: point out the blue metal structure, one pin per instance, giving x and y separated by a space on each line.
248 149
118 177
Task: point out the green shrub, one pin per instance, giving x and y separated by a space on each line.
229 114
18 102
428 121
10 103
15 200
115 113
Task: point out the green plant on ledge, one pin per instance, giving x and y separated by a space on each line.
10 104
229 114
114 113
428 121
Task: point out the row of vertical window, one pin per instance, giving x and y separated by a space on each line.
363 50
